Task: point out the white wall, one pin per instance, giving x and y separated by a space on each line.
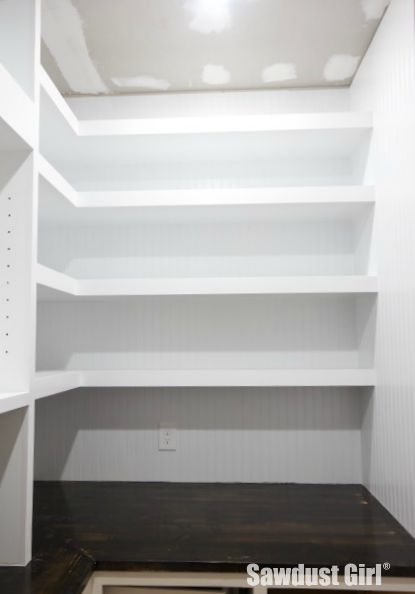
243 248
224 435
386 84
203 332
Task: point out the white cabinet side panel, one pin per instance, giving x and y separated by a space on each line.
16 479
16 209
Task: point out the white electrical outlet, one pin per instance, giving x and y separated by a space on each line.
167 438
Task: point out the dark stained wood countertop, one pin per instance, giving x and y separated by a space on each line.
79 527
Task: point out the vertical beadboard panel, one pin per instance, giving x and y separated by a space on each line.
386 84
224 435
204 248
202 332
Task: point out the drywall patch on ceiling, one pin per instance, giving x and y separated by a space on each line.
340 67
374 9
172 40
209 16
63 34
215 74
279 72
142 82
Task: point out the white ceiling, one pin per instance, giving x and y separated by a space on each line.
134 46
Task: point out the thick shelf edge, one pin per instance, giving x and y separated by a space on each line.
53 382
50 89
57 281
290 122
226 286
228 197
52 176
230 378
278 195
285 122
49 383
10 401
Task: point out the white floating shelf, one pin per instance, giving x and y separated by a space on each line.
55 281
290 122
79 147
52 283
47 383
303 195
52 382
56 182
202 125
232 377
54 100
229 197
17 111
13 400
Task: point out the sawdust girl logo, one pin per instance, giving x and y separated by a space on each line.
353 575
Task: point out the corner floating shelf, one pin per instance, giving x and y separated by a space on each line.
202 125
56 181
47 383
73 144
259 196
13 400
52 283
53 382
231 377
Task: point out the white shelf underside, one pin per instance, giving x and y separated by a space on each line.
284 196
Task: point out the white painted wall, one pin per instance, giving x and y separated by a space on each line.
203 332
271 244
224 435
386 84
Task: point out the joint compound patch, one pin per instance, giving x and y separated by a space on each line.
142 82
340 67
279 72
215 74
